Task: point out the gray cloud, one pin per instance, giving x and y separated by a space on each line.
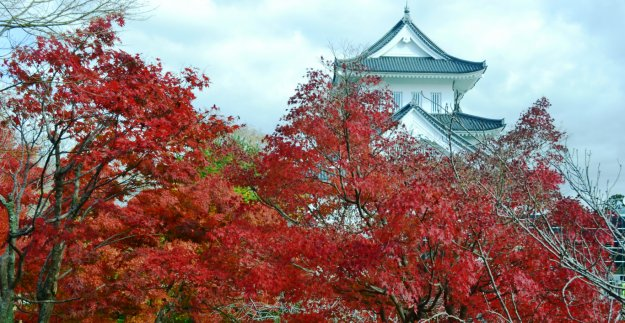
257 51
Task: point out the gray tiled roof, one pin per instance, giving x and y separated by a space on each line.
396 29
448 63
466 122
420 65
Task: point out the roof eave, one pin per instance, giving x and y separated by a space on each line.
488 132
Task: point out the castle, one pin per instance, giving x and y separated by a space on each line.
428 85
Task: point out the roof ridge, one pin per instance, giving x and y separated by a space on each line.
385 39
427 40
397 115
435 47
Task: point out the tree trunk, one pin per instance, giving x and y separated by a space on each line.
48 282
7 265
162 315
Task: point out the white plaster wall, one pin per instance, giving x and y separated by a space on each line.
420 128
409 85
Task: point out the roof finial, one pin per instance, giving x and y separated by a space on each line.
406 11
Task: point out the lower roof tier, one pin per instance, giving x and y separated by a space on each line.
465 122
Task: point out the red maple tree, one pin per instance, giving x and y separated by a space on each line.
90 126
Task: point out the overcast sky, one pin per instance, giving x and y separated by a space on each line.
257 51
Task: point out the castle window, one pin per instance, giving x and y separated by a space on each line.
397 96
436 102
416 98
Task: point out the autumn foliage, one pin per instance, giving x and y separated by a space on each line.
399 232
122 202
92 126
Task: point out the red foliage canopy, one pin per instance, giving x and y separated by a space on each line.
91 125
389 229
